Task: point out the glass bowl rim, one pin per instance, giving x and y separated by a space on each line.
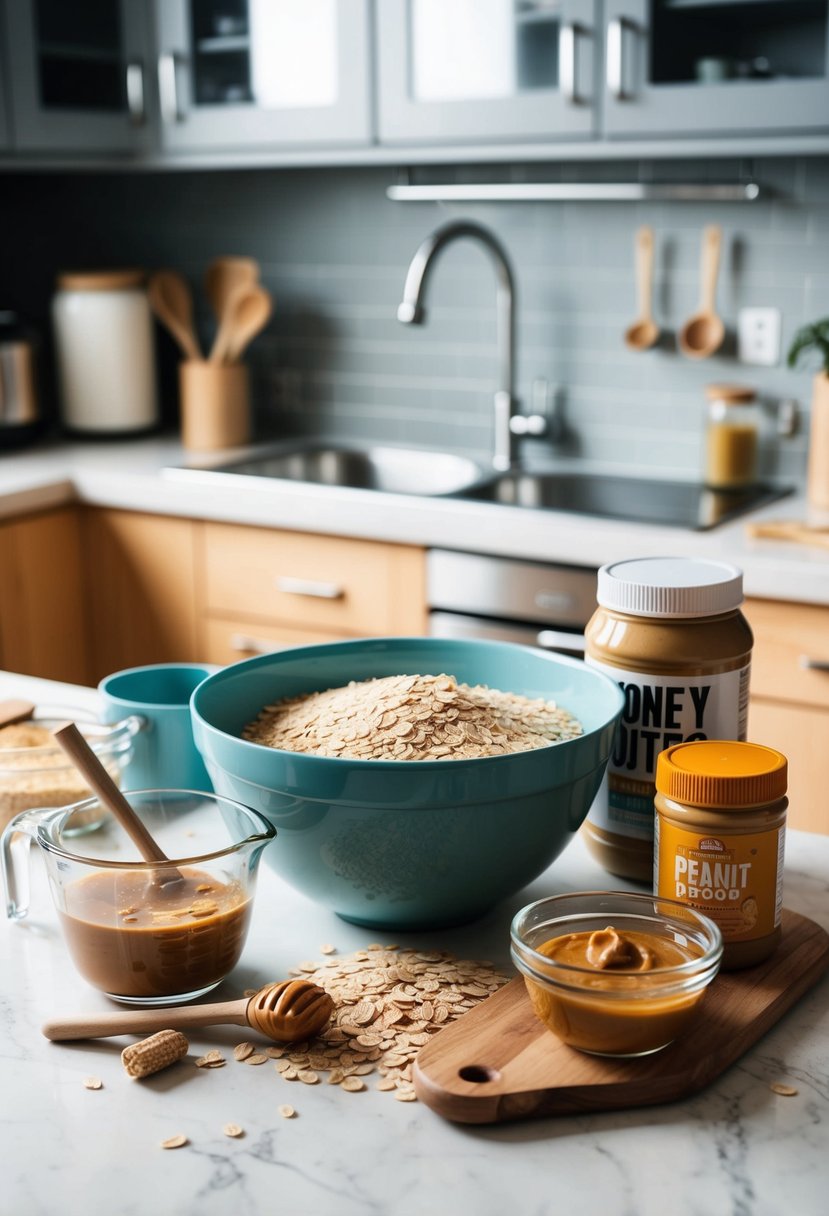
113 737
557 972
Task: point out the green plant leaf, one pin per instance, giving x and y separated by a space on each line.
808 338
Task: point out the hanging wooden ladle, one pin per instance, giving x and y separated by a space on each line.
704 333
644 333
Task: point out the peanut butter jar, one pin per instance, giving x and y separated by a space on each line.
720 839
669 630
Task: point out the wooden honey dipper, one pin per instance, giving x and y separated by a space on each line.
287 1012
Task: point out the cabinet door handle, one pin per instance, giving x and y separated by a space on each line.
135 92
307 586
568 38
168 101
560 639
247 645
616 31
810 664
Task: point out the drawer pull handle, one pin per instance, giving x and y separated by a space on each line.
809 664
308 586
559 639
245 644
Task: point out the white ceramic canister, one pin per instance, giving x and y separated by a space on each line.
105 351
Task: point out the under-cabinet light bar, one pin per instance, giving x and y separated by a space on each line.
576 192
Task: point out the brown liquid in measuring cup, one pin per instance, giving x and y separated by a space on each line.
135 938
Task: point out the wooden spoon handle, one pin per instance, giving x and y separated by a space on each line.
99 780
15 711
711 244
644 272
146 1021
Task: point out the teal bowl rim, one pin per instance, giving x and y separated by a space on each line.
333 763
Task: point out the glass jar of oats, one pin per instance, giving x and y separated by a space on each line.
36 772
732 437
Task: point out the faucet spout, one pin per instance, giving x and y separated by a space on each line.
412 312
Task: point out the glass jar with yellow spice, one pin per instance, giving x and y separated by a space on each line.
732 437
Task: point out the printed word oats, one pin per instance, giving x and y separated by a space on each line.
411 718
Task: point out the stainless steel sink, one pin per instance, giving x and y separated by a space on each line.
393 470
673 503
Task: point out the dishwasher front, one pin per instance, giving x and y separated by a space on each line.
506 599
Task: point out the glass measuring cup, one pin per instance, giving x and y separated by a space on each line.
146 933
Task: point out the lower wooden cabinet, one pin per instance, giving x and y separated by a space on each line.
42 617
789 706
140 573
265 589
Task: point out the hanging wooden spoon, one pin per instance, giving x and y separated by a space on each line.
172 302
289 1011
644 332
224 275
704 333
99 781
246 313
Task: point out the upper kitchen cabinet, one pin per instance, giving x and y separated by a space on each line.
77 74
718 67
479 71
255 73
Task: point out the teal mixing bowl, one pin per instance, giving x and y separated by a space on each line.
419 843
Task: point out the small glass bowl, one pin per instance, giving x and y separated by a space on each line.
614 1012
43 775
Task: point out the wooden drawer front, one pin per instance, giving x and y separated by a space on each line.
786 637
318 582
228 641
800 734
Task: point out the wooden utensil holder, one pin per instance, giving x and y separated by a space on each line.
215 405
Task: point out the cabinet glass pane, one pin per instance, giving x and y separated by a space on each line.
715 41
80 58
274 56
479 49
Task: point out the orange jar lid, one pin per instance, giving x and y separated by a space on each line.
721 773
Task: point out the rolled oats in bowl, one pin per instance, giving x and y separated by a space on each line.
412 717
36 772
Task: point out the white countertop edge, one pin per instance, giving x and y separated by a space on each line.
130 476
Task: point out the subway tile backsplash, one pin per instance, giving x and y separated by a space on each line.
335 251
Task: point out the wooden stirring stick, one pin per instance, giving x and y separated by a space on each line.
15 711
99 780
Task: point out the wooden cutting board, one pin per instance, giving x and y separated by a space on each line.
499 1063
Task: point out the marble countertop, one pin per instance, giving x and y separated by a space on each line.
736 1149
131 475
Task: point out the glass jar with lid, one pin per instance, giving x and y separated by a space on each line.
105 350
732 438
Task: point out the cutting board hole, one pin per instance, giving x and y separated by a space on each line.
478 1073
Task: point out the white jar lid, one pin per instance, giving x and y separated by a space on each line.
670 587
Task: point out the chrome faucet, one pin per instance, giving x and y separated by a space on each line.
508 422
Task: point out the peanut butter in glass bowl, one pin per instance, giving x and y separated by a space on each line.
614 974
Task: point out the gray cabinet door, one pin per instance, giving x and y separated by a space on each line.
484 71
292 73
78 74
5 132
716 67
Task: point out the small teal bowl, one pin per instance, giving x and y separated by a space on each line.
409 844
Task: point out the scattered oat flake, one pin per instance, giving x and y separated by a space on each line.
385 1083
287 1112
328 949
233 1129
210 1060
308 1076
93 1083
242 1050
785 1091
256 1058
175 1142
406 1095
352 1084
